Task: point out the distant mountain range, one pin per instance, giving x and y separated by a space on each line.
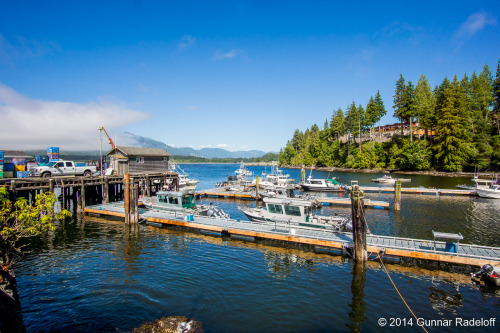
132 140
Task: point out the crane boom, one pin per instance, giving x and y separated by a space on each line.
109 138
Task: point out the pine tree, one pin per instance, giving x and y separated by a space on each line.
409 106
452 148
399 101
371 115
381 111
425 104
337 124
496 97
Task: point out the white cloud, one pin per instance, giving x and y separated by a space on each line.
37 124
219 55
474 24
186 41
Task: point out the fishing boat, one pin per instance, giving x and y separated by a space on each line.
181 201
478 184
276 177
241 171
386 179
185 183
491 192
277 192
295 212
323 185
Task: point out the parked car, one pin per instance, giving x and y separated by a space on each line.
62 168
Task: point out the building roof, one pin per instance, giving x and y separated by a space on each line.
137 151
16 154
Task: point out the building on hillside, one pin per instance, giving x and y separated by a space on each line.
138 160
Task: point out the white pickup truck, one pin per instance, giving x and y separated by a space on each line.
62 168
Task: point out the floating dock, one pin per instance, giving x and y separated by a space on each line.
325 201
418 190
321 239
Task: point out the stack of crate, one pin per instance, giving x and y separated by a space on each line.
1 164
20 170
53 153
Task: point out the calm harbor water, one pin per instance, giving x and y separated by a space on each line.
102 276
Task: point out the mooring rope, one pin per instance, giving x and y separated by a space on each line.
402 298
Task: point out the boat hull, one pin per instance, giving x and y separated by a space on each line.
488 193
322 188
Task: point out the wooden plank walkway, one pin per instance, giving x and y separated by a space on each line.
467 254
418 190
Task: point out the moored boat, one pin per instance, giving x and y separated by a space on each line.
492 192
386 179
295 212
185 183
326 185
181 201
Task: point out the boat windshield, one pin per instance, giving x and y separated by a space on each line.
292 210
276 209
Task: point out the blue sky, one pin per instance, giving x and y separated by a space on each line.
235 74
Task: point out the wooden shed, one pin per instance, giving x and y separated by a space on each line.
138 160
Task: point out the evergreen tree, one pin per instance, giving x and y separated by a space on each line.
496 97
452 148
381 111
409 106
425 104
371 115
337 124
399 101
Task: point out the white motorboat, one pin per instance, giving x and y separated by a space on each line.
328 185
277 177
386 179
181 201
492 192
478 184
185 183
241 171
295 212
277 192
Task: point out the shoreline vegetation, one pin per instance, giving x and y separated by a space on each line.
453 127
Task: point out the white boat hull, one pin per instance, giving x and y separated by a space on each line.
488 193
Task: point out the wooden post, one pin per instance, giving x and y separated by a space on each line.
148 187
257 195
81 199
105 190
63 192
134 204
302 175
358 224
397 196
126 198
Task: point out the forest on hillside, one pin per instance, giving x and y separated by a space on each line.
455 127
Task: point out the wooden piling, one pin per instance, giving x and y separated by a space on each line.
358 224
126 198
105 190
257 195
397 196
134 203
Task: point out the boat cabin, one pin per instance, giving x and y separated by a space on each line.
285 208
175 200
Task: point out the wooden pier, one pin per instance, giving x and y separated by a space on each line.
323 240
87 190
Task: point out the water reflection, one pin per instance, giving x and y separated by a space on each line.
445 300
282 264
358 304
